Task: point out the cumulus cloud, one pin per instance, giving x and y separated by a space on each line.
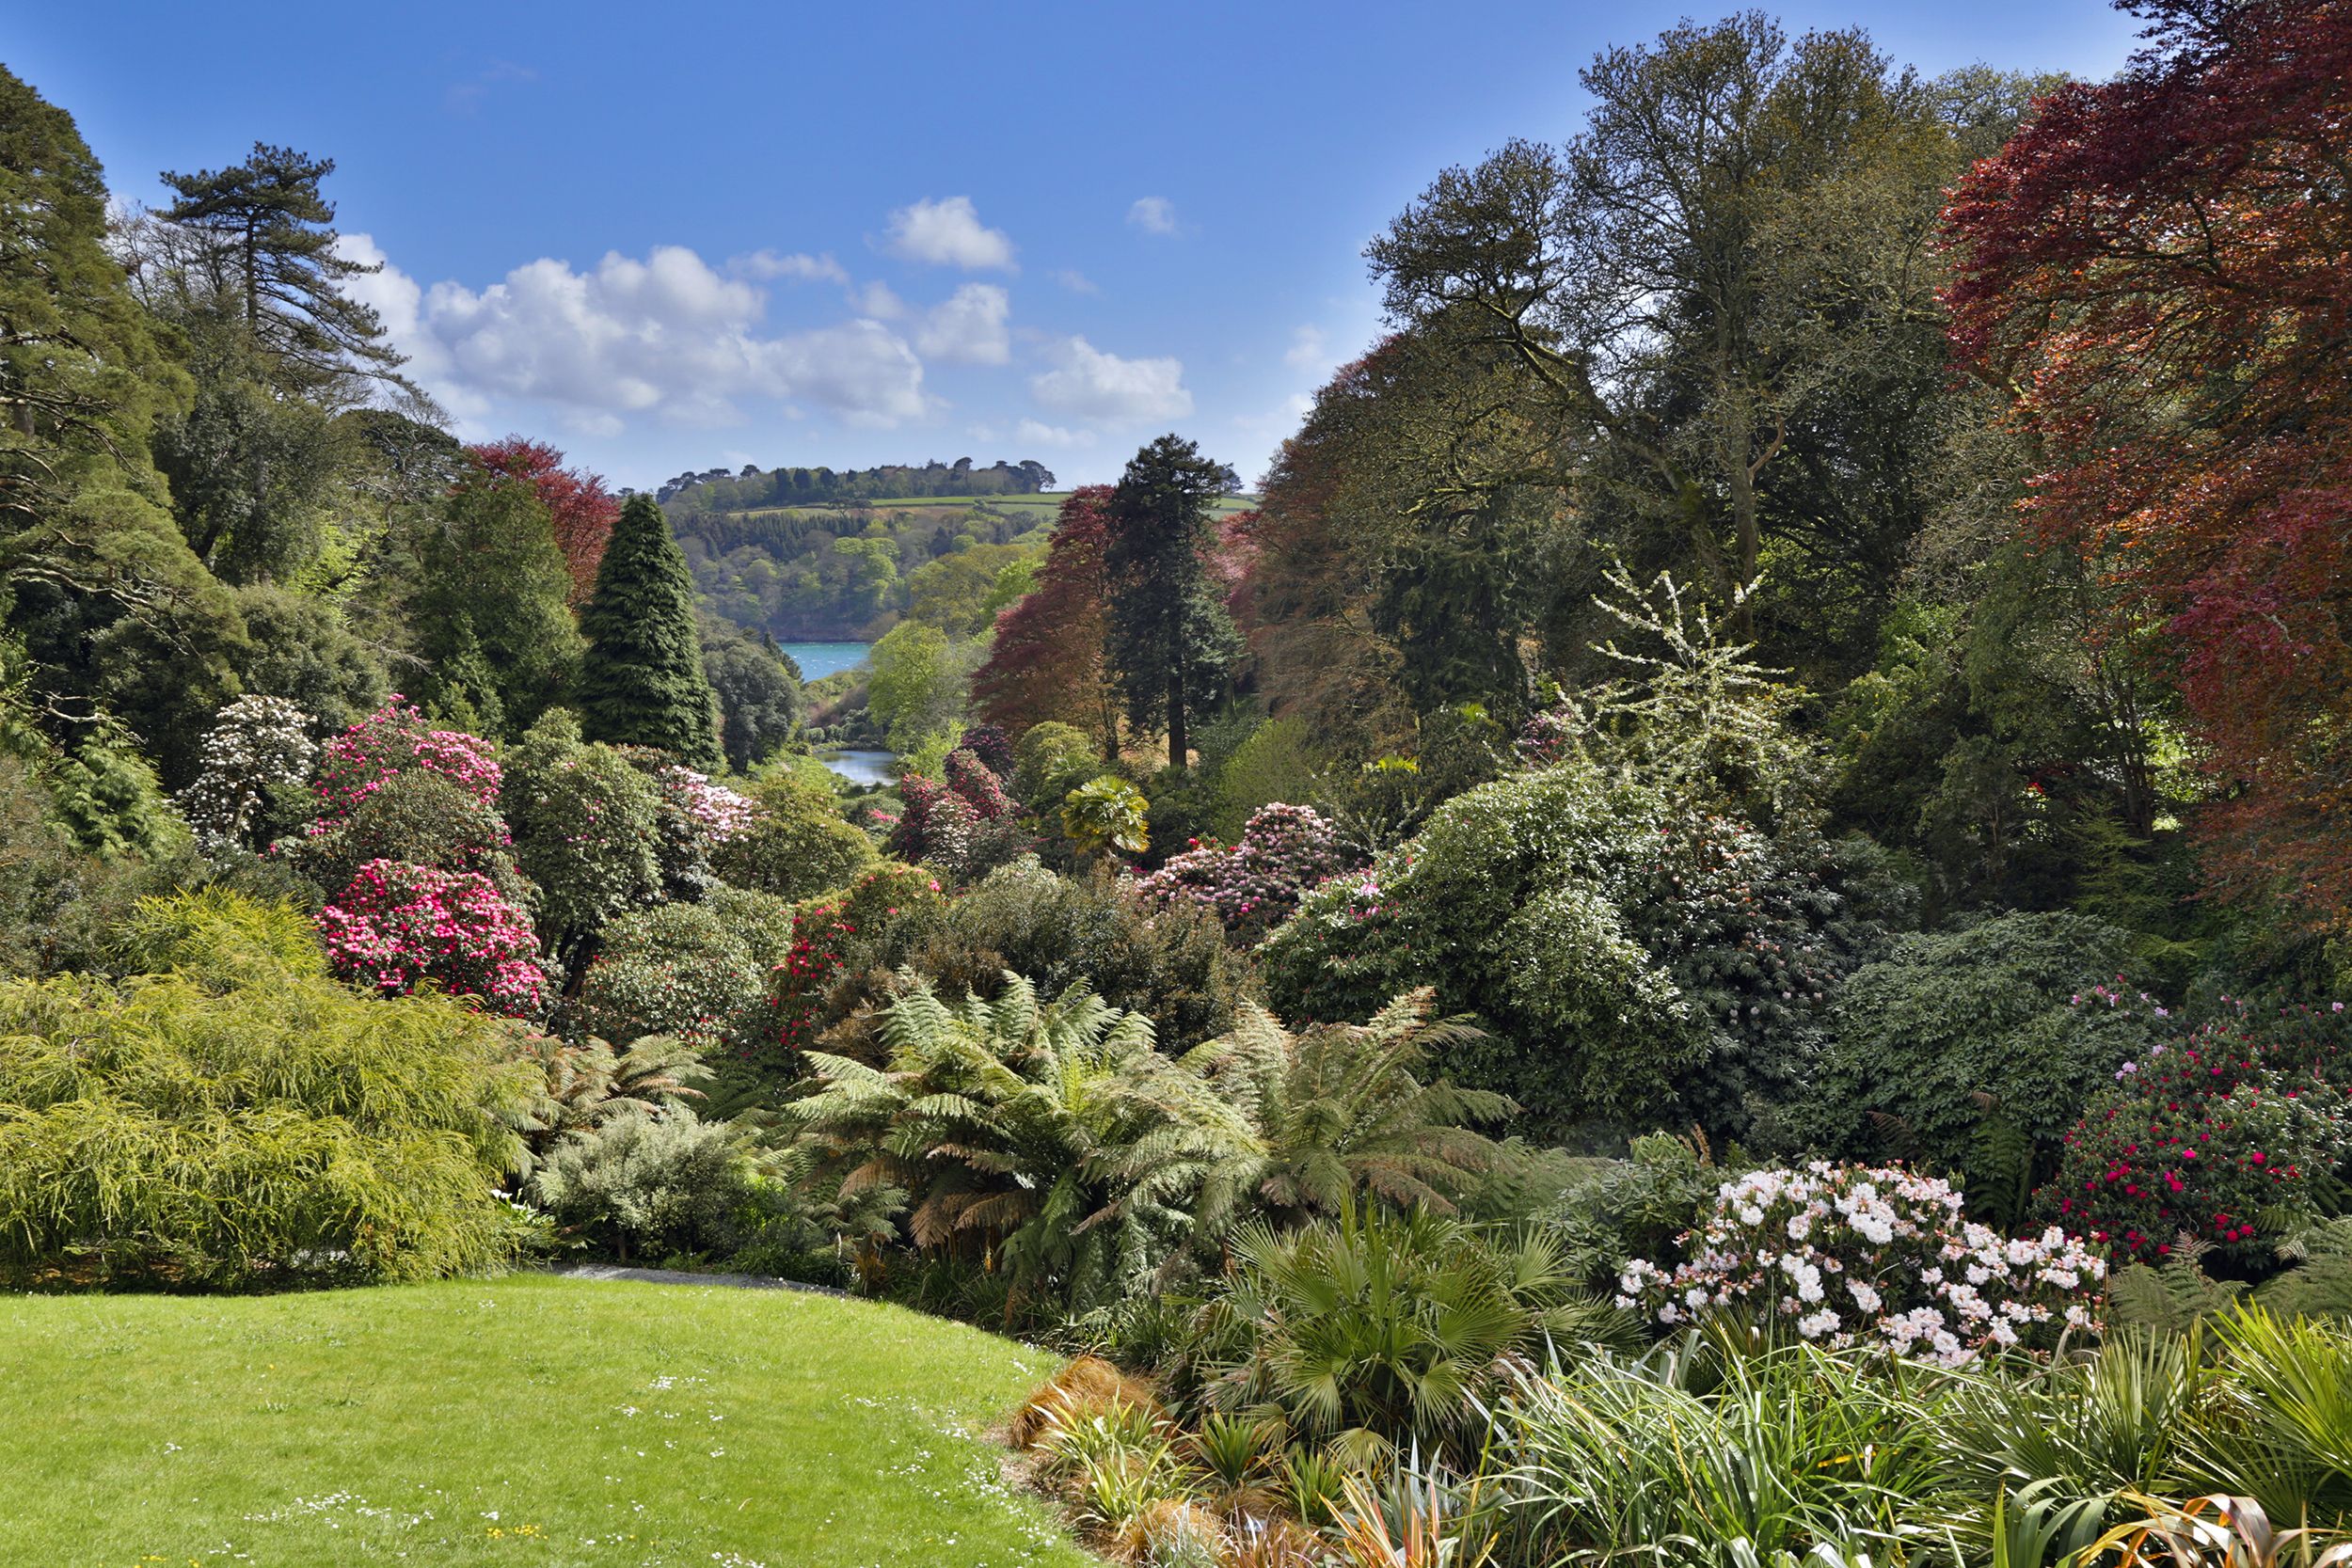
1076 281
1091 384
1153 215
798 268
969 328
879 301
948 234
666 335
1307 349
1036 433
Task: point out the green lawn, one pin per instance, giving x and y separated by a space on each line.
532 1420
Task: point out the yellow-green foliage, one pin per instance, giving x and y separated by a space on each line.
242 1120
219 939
1275 764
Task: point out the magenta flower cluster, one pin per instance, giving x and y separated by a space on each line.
398 925
1285 852
393 740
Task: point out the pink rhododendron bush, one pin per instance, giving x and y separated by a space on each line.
1862 1255
393 740
1285 852
398 925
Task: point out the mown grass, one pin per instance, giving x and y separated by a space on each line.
533 1420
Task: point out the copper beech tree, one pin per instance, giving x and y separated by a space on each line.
2157 272
1046 663
580 508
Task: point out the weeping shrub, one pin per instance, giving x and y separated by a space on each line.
244 1120
653 1184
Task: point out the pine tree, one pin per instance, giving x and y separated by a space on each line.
641 682
1168 640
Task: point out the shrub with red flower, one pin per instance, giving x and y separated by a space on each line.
393 740
398 925
1285 852
831 936
967 826
2232 1135
992 745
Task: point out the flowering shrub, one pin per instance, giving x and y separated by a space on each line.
417 816
1284 852
1866 1255
830 937
716 813
398 925
395 739
671 970
258 752
974 779
936 825
990 743
966 826
2230 1134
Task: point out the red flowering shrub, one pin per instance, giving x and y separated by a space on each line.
398 925
2230 1134
978 783
396 739
967 826
1285 852
832 936
992 745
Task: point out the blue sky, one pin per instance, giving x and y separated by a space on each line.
671 237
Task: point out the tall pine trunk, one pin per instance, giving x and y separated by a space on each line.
1178 745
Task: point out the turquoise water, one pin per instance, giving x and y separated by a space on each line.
861 767
819 660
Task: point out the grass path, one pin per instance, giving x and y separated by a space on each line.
558 1423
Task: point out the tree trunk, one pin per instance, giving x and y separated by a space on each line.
1178 745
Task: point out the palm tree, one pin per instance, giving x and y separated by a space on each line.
1367 1331
1340 1111
1049 1137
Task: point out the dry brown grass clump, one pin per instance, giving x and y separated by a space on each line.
1087 1386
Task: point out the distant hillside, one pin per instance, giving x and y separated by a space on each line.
750 486
851 570
812 555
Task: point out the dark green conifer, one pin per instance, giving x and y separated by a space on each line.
641 682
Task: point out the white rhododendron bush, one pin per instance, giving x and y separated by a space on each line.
1849 1255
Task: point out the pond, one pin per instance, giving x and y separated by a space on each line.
819 660
861 767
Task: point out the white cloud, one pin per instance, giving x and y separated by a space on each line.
1307 349
949 234
798 267
1153 215
1035 432
969 328
1076 281
666 335
1091 384
877 301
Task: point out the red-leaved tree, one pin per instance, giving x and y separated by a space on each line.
1046 663
2157 270
580 508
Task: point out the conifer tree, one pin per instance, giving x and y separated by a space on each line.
641 682
1168 640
